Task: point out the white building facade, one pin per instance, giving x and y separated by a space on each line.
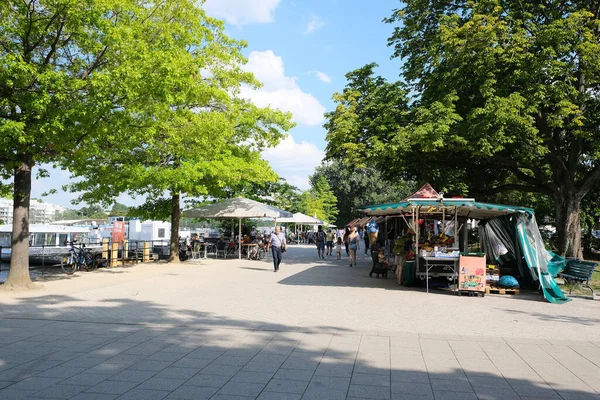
39 213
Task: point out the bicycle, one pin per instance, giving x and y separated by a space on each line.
80 259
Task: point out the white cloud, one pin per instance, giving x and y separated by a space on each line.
281 91
241 12
294 161
314 24
323 77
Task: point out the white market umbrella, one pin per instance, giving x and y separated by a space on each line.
302 219
239 208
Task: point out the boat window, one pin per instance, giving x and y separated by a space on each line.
38 239
5 239
161 232
63 239
50 239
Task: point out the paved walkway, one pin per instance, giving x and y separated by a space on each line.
229 329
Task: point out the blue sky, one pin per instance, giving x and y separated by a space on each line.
300 50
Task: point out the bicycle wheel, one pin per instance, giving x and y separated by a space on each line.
69 266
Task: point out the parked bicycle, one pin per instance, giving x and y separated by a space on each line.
80 258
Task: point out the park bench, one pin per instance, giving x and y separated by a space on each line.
578 272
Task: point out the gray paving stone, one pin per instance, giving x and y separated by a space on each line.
15 394
490 393
142 394
35 383
286 386
156 383
242 389
60 391
217 369
454 396
94 396
313 393
278 396
577 395
84 362
404 396
187 392
451 385
86 379
257 366
229 360
150 365
62 372
293 374
489 382
131 375
369 392
252 377
107 368
329 382
535 390
188 362
208 380
370 380
339 369
178 373
112 387
230 397
413 388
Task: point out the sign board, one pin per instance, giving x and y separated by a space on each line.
118 232
471 273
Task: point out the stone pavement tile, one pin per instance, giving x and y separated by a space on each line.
187 392
60 391
242 389
420 389
451 385
156 383
132 375
535 390
231 397
330 367
42 364
369 392
230 360
108 368
489 382
62 372
285 386
112 387
179 373
294 374
205 352
16 374
329 382
476 338
84 362
4 384
165 356
278 396
454 396
578 395
491 393
128 359
404 396
35 383
252 377
142 394
188 362
150 365
216 369
370 380
86 379
94 396
410 376
301 362
15 394
208 380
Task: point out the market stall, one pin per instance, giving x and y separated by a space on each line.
507 232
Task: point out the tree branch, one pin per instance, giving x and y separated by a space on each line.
54 43
592 178
509 187
95 64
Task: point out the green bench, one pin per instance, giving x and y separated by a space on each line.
578 272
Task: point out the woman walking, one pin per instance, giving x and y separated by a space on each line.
353 245
346 236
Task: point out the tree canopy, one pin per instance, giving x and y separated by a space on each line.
501 95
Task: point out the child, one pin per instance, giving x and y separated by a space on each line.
382 258
338 248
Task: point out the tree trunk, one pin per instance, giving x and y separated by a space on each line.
568 224
175 217
18 276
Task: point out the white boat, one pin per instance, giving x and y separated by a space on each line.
49 244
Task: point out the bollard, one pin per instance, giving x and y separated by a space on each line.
146 254
114 256
125 250
105 248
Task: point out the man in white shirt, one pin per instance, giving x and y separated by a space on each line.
276 244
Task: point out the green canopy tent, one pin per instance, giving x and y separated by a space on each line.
522 219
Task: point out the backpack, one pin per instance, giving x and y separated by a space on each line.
321 236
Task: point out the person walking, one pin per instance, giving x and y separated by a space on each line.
320 243
330 238
277 246
346 235
366 239
353 245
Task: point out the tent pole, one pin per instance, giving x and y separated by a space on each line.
443 220
240 239
455 225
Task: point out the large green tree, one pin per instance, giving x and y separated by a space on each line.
354 188
319 201
80 80
504 97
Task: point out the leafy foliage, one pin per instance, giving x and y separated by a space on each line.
319 201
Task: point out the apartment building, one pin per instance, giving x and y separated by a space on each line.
39 212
